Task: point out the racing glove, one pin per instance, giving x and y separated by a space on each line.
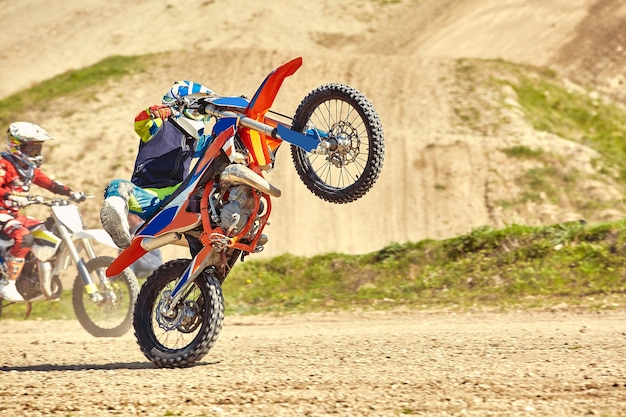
78 196
19 200
160 112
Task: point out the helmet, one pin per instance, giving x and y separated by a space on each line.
187 88
24 141
184 88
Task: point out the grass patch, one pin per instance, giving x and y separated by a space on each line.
49 310
514 267
575 115
572 112
517 265
522 152
491 91
77 83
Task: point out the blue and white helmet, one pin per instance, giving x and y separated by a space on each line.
184 88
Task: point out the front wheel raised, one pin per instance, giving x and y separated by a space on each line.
180 337
350 158
109 314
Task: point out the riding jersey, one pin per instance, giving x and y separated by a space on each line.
164 154
17 177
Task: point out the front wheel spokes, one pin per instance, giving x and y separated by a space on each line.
333 170
349 157
107 293
110 315
180 326
346 151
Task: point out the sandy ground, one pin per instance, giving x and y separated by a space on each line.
557 364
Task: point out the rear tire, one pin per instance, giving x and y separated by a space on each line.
112 316
355 139
186 337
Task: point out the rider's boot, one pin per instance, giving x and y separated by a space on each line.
114 219
8 289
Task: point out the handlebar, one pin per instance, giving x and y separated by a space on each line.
47 201
213 110
273 128
202 106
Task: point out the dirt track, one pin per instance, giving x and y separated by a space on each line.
435 184
557 363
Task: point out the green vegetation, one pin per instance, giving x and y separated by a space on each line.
523 152
77 83
516 267
575 115
492 92
48 310
550 104
548 180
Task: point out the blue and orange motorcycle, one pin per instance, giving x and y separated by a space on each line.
222 207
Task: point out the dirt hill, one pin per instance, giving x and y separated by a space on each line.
439 180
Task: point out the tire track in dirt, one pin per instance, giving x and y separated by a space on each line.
559 363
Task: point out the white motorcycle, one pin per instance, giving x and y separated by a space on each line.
103 306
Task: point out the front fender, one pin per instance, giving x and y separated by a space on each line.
99 235
126 257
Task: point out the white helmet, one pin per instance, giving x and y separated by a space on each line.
24 141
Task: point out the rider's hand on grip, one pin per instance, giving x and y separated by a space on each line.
78 196
160 112
19 200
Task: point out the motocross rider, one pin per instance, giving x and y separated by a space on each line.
162 163
19 167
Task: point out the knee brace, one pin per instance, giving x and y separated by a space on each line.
119 188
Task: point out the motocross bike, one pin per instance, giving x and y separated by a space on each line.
103 305
222 207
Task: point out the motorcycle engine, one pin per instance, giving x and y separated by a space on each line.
28 282
237 210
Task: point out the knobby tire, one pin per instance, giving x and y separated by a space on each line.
343 110
191 343
106 319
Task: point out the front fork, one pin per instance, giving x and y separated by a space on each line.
90 286
198 264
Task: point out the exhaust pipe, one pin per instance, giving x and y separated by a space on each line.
242 175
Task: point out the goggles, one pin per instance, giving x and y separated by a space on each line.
31 149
